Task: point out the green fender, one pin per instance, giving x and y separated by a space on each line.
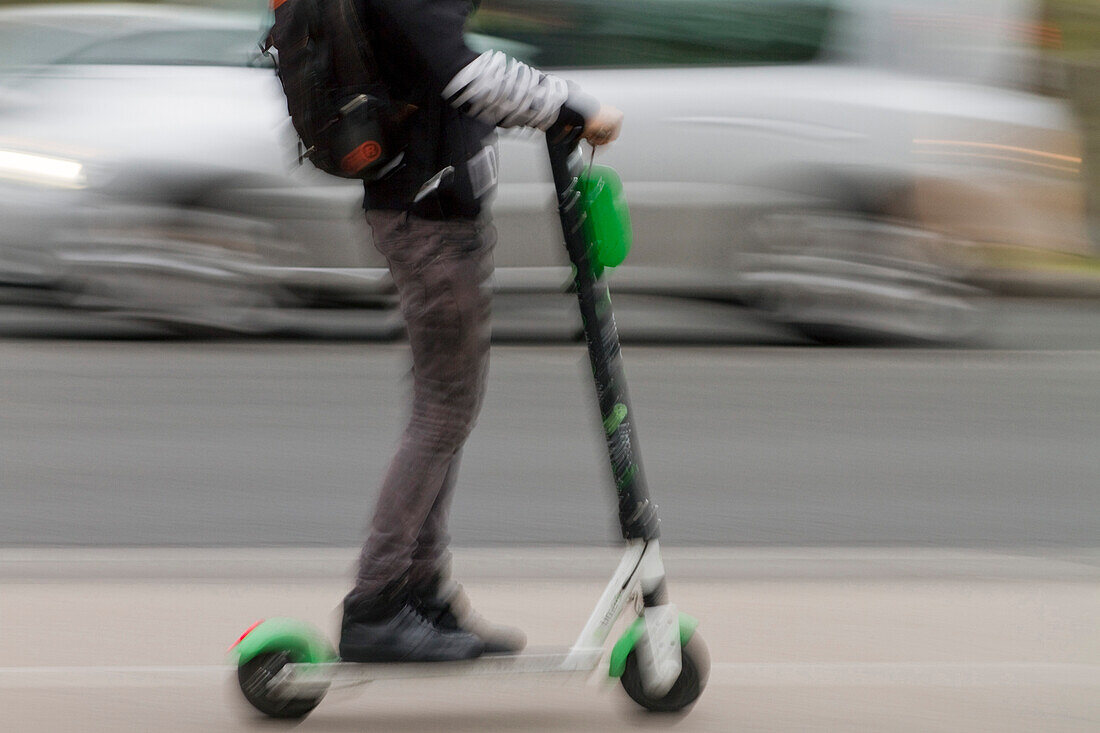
300 640
634 634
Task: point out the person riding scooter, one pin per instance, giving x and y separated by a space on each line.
430 218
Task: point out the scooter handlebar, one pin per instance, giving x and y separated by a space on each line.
567 136
562 143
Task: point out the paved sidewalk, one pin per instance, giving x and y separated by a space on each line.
837 640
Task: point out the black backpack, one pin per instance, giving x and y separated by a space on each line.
347 123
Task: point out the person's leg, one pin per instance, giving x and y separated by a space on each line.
431 556
441 271
438 597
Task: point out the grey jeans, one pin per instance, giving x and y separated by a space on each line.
441 270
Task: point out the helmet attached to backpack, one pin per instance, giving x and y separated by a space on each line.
338 104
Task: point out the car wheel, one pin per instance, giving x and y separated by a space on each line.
187 267
844 277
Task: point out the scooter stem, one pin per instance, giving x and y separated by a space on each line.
637 514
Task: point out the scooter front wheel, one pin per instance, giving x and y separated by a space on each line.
687 688
254 676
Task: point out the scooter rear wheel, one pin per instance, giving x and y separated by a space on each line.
689 685
254 676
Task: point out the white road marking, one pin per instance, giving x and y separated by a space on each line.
28 678
905 674
725 674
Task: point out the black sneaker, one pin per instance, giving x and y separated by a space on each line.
389 627
445 604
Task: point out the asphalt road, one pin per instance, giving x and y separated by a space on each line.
284 442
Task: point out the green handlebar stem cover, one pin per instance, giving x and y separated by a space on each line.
607 221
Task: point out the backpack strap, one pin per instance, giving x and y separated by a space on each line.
351 45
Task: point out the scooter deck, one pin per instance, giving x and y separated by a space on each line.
296 680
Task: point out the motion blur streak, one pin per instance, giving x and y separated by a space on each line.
41 169
994 146
1007 158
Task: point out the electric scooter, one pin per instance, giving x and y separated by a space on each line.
285 667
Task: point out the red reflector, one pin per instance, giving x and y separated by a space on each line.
247 631
361 157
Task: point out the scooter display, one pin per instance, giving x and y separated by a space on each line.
285 667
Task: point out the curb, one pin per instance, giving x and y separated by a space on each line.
496 564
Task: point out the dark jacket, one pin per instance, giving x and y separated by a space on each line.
420 49
419 46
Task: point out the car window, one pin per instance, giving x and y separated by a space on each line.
28 44
650 33
989 43
176 47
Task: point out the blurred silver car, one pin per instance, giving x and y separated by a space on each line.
834 164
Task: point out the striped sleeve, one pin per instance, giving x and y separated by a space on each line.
504 92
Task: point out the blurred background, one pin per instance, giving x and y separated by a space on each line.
847 170
862 327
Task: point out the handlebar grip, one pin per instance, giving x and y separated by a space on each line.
565 162
567 136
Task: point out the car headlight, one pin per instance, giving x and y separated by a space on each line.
41 170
